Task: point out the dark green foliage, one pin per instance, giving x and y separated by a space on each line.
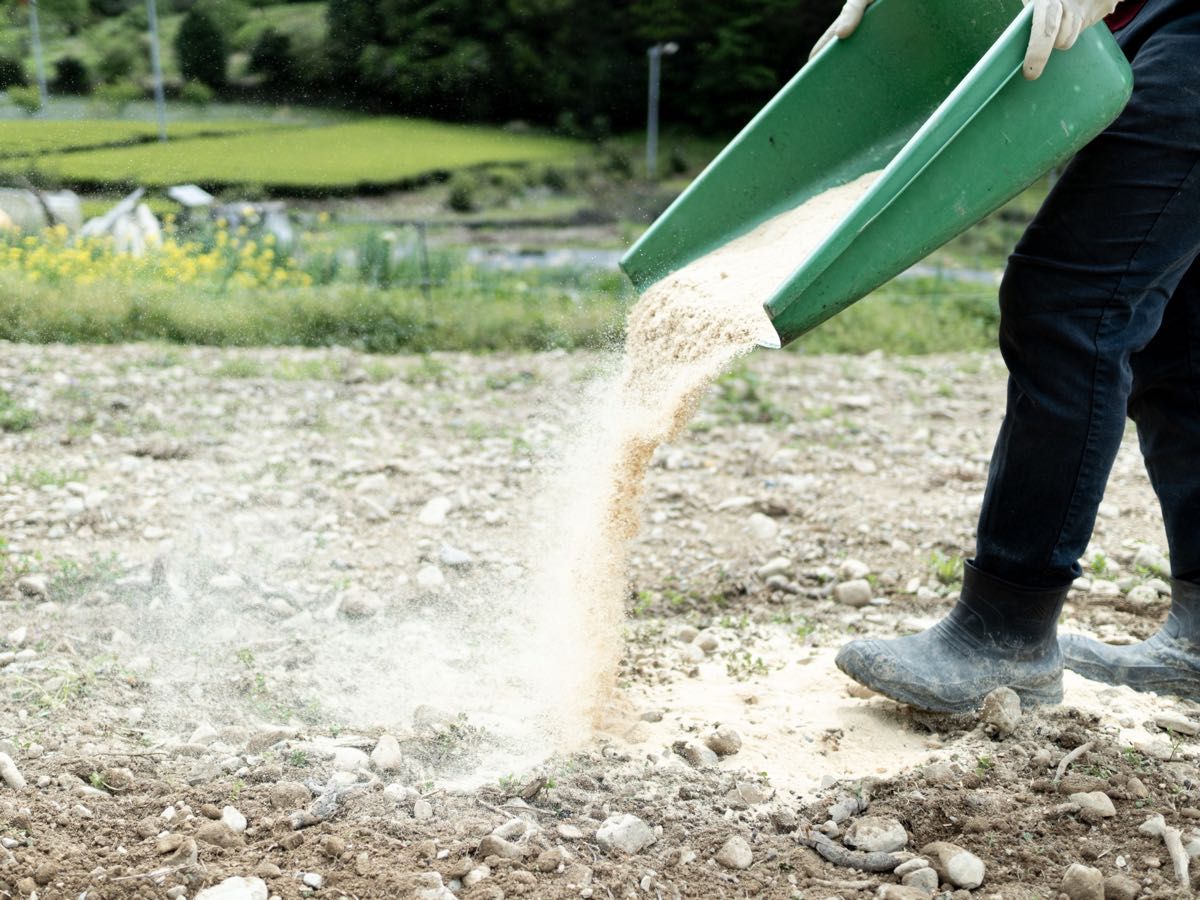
71 77
118 62
201 49
271 57
12 73
575 62
110 7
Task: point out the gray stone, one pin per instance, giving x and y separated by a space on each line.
900 892
33 586
856 593
1121 887
289 795
735 853
954 864
911 865
236 888
853 570
1083 883
695 753
10 773
1001 711
349 759
233 819
924 878
723 741
386 757
761 527
422 810
876 834
779 565
1094 805
626 833
494 845
1177 723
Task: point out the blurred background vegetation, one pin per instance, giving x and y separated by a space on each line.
454 175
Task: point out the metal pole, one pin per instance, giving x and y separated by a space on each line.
43 94
655 54
160 103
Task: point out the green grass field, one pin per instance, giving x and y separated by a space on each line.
29 137
362 155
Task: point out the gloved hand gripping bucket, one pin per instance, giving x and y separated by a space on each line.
931 91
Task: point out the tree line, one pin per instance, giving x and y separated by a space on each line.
579 65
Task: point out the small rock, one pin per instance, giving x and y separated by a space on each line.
1001 712
1083 883
386 757
876 834
762 528
434 512
332 846
10 773
853 570
218 834
289 795
267 870
422 810
735 853
568 832
234 819
33 586
900 892
695 753
1094 805
360 604
856 593
1121 887
236 888
911 865
779 565
1176 723
430 578
954 864
494 845
723 741
708 642
349 759
455 558
476 875
924 879
551 859
313 880
626 833
1151 560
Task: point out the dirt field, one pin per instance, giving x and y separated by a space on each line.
275 582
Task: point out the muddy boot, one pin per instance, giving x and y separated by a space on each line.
998 634
1168 662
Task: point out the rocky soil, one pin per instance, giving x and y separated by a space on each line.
258 637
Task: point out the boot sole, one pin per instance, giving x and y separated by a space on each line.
1049 693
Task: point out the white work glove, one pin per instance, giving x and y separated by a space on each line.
1056 24
843 26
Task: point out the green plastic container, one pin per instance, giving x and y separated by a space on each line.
929 89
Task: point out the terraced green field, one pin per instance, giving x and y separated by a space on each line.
34 136
373 153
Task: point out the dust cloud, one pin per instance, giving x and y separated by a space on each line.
497 674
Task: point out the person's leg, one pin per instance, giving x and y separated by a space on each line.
1165 403
1084 291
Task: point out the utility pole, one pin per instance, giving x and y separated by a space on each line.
655 54
39 65
160 103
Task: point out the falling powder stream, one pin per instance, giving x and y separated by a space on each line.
685 331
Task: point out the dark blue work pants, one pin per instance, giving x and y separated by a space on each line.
1100 318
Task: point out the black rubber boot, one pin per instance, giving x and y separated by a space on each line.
1168 662
997 635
